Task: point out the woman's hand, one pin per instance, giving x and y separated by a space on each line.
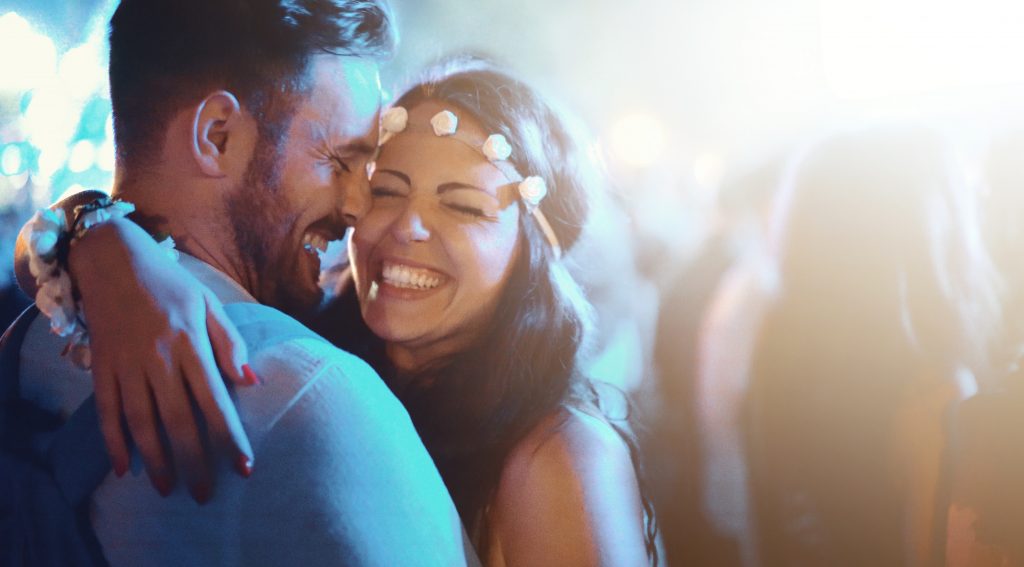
158 337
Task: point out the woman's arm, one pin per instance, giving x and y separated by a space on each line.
157 337
569 495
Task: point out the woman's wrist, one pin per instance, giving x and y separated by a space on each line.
105 250
96 239
26 280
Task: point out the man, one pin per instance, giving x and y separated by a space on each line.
244 130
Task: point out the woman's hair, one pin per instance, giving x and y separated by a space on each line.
883 282
485 399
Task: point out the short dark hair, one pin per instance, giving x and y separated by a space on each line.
167 54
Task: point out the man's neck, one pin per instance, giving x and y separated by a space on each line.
198 229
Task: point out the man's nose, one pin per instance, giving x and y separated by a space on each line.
355 198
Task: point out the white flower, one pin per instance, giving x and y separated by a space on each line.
532 190
395 119
40 268
92 218
54 299
445 123
44 231
496 148
47 299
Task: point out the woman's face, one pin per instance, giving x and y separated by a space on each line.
433 254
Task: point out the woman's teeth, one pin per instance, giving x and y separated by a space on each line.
407 277
314 242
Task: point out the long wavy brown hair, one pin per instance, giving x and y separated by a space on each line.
473 408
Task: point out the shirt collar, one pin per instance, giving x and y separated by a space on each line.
226 289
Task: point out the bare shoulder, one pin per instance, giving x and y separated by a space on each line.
568 495
566 441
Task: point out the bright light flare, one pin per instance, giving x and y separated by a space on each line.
81 69
11 160
105 156
879 48
708 169
27 57
83 156
638 139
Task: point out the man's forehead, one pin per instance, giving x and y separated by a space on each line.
344 99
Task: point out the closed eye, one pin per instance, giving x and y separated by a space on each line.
467 210
336 162
385 192
340 164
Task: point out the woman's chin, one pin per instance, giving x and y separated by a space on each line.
394 328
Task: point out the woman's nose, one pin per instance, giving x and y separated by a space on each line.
410 226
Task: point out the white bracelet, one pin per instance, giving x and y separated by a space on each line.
49 236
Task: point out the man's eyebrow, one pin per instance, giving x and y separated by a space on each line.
397 174
355 147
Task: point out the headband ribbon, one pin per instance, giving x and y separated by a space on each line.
496 149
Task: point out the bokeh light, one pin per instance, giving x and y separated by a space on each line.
637 139
82 157
11 161
27 57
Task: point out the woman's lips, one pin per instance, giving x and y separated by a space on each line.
404 276
407 280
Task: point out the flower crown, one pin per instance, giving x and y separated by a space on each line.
496 149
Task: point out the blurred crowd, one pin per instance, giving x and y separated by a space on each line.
836 368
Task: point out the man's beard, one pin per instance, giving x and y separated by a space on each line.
261 223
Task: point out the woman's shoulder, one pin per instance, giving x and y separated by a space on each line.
569 490
568 440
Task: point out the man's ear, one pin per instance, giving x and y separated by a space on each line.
218 135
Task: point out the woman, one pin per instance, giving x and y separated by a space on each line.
479 328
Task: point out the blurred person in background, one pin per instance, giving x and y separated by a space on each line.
830 365
987 513
676 451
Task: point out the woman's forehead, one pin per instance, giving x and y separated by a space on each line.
469 130
429 159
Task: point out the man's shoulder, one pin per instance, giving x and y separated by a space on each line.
285 345
296 366
303 359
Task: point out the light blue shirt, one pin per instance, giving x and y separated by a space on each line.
340 476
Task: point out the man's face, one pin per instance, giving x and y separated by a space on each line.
303 193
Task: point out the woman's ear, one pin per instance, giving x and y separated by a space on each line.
220 137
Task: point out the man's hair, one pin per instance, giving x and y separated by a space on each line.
167 54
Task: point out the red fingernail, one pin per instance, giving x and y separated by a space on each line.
120 467
163 485
244 466
201 492
250 376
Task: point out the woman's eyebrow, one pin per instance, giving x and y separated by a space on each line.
398 174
